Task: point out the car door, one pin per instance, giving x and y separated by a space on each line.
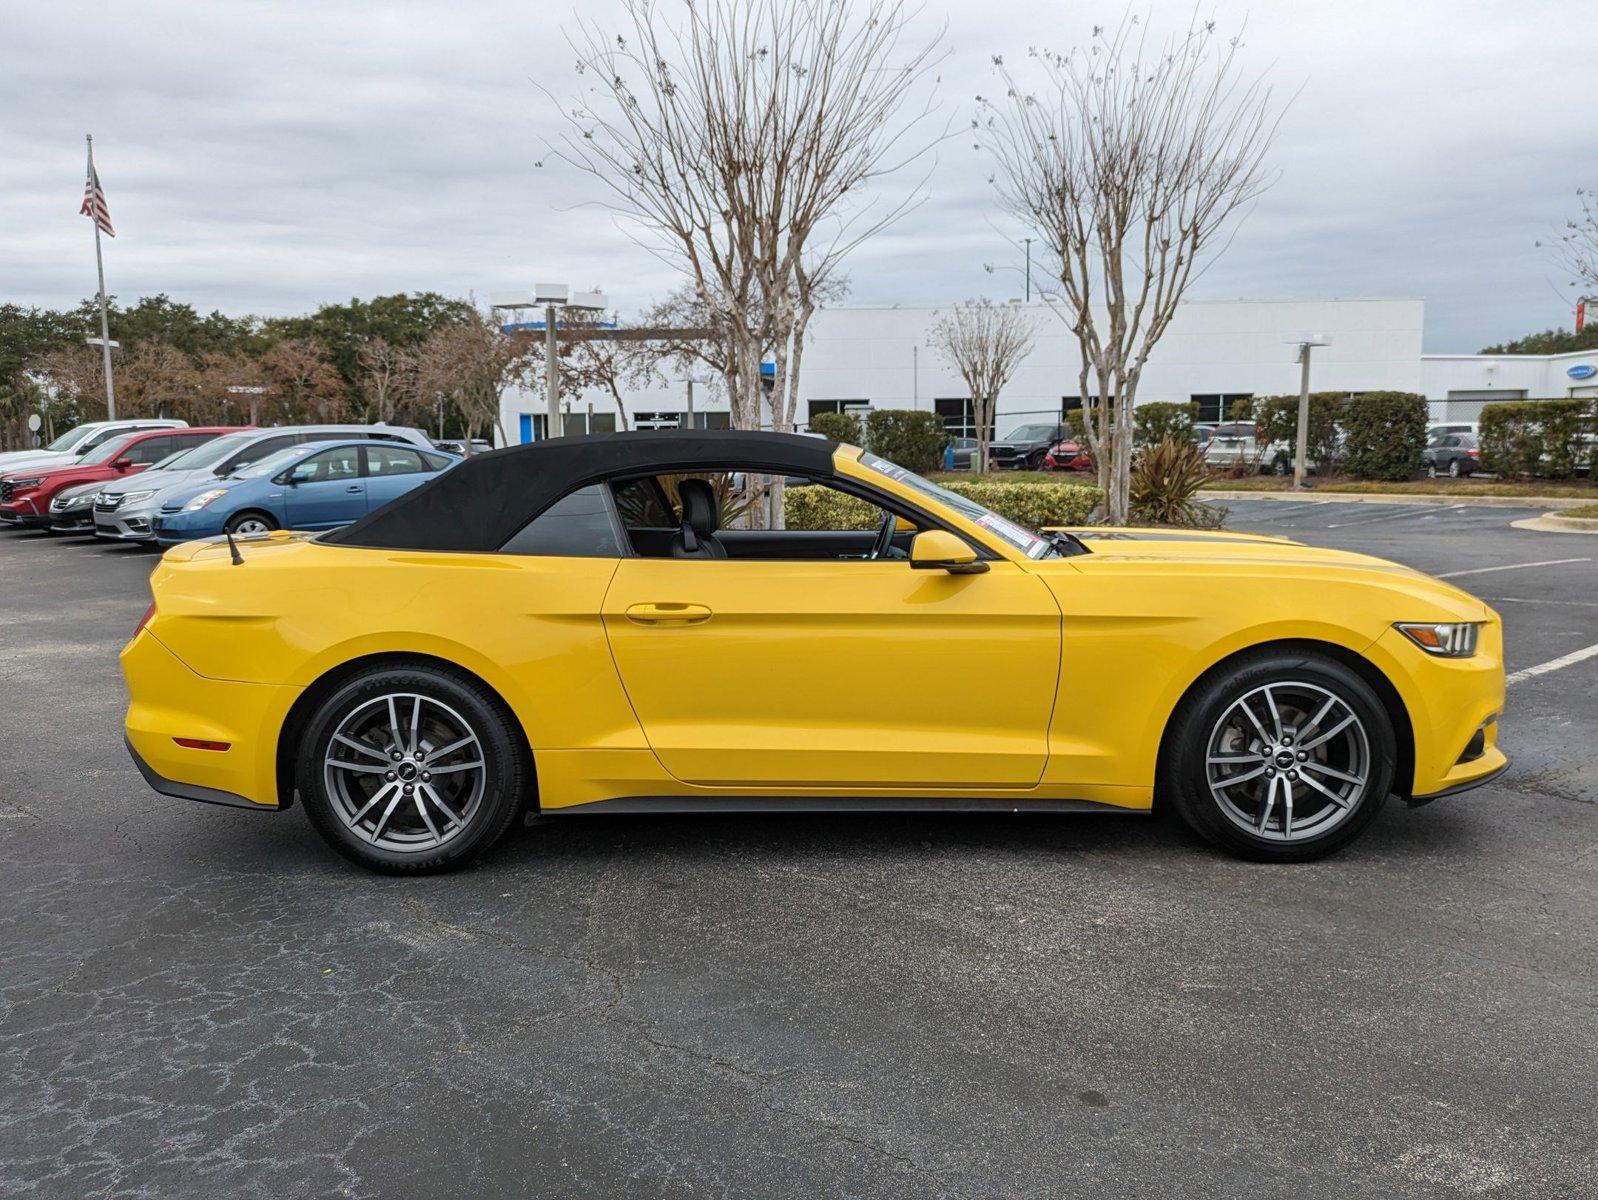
391 471
325 490
836 673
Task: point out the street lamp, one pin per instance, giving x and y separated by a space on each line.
1304 344
552 298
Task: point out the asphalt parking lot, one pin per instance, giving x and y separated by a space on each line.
202 1002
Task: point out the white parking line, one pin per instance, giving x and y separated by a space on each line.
1557 664
1407 512
1552 562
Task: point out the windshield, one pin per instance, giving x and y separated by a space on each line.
208 454
271 464
1029 542
71 438
105 452
1033 433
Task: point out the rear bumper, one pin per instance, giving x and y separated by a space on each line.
169 701
189 791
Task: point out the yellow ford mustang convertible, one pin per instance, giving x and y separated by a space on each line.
596 625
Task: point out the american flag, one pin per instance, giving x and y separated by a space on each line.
94 201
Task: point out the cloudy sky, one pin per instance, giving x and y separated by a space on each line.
268 157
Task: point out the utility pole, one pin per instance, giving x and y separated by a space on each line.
553 298
1305 345
1028 242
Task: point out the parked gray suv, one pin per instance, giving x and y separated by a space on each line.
124 510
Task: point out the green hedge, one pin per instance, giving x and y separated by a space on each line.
914 440
840 427
1546 439
1161 419
1385 435
1033 505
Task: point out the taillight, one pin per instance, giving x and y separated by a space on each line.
149 615
1474 453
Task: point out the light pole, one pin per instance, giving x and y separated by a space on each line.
1304 344
552 298
1028 242
254 393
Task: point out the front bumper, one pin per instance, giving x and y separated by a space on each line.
131 526
78 522
169 701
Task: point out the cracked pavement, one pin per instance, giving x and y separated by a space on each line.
196 1001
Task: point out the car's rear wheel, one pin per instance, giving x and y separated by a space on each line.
248 522
1453 469
1281 757
412 769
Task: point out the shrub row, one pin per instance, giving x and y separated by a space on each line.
1547 439
1276 418
914 440
1033 505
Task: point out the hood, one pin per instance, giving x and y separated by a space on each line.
14 460
156 480
1221 546
182 491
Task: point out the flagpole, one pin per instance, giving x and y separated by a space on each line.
105 323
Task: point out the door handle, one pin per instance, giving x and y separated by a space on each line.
668 614
354 487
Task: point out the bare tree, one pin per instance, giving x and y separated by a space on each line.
1576 249
613 366
304 381
157 380
742 137
1129 159
72 379
384 369
221 370
985 342
469 364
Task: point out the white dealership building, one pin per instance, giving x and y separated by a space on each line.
884 356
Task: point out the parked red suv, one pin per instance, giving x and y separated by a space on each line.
25 494
1068 455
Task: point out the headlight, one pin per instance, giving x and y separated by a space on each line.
31 481
130 497
204 498
1457 640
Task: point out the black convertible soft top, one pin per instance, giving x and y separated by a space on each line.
489 497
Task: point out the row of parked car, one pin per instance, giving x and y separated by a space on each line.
165 482
1228 446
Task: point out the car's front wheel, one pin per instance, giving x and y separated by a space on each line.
1280 757
412 769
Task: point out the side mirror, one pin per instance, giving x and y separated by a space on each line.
940 550
295 475
122 464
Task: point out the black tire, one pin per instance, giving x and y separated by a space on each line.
237 520
1184 766
1453 469
1034 460
1431 470
507 775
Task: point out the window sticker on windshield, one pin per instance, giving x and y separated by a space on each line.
891 470
1013 534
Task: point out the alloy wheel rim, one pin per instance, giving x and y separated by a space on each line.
1288 761
250 525
405 772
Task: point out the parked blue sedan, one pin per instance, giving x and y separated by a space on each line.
319 485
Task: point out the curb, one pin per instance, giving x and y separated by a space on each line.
1552 503
1552 522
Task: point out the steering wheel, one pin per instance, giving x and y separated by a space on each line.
884 542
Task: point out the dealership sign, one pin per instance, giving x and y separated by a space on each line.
1582 371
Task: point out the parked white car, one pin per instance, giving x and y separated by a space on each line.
78 441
